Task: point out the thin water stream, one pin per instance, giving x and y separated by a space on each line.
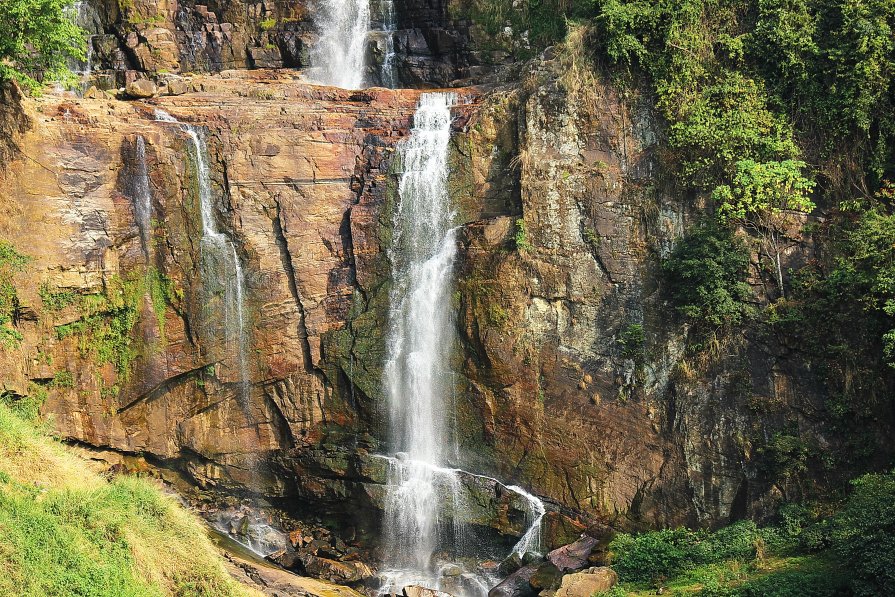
221 269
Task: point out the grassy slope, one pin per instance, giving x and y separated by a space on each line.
782 576
64 530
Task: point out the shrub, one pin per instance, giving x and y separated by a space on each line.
654 556
864 534
705 276
37 37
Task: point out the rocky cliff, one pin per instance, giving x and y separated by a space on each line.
433 41
572 376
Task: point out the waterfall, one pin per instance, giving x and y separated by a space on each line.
387 72
420 338
339 57
531 540
221 268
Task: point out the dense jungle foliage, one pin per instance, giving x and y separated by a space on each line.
37 40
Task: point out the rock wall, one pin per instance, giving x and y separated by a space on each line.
129 40
572 374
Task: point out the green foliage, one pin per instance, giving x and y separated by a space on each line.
786 456
658 555
632 340
544 21
37 37
762 191
521 236
105 330
864 534
63 379
706 275
268 24
56 300
11 263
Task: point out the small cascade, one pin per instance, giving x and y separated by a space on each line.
79 13
531 540
388 71
221 267
339 57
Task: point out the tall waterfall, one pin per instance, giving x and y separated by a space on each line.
339 57
420 339
222 274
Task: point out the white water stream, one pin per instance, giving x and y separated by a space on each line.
425 501
221 268
339 57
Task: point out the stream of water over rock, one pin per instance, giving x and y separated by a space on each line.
340 54
223 278
425 501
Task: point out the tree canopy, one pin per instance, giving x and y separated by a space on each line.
37 40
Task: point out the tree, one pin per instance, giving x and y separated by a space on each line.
37 39
706 277
764 198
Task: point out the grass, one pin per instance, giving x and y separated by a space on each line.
782 576
67 531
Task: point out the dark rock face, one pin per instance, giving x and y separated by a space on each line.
432 48
517 584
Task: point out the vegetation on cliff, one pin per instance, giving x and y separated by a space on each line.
69 531
37 39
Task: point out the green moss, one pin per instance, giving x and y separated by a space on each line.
55 299
105 330
521 237
268 24
11 263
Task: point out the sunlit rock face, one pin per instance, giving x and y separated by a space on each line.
425 44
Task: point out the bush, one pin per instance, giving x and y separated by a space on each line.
37 38
706 274
656 555
864 534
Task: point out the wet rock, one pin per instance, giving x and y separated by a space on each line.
585 584
418 591
141 89
451 570
517 584
573 556
547 576
333 571
510 564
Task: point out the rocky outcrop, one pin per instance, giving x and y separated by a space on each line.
434 44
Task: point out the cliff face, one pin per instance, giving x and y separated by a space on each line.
432 42
572 376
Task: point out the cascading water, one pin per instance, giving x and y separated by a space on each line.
420 339
387 72
221 269
339 57
424 509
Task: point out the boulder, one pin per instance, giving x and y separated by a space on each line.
547 576
574 555
585 584
141 89
510 564
333 571
176 87
418 591
517 584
